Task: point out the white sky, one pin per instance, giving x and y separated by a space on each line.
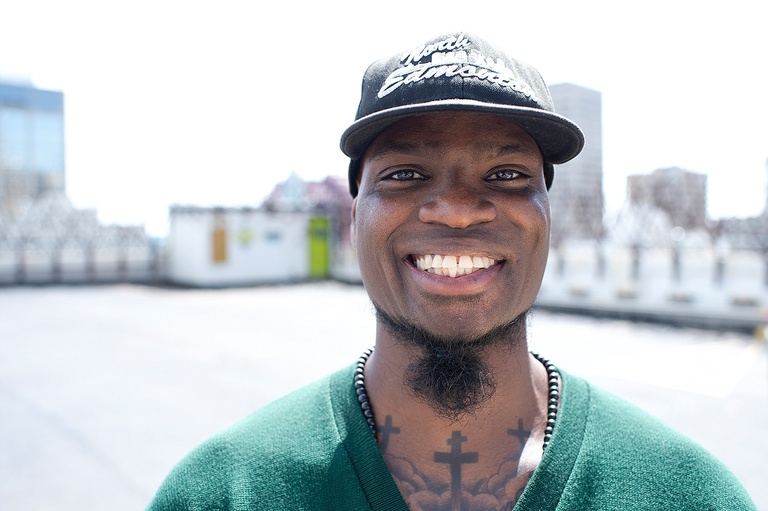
213 103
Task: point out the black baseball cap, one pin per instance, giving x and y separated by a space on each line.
459 72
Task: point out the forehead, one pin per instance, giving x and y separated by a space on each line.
476 134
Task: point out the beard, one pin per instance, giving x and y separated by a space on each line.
452 375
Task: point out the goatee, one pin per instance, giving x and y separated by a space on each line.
452 375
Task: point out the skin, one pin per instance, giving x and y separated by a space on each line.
455 183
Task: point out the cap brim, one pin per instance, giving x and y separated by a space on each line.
558 138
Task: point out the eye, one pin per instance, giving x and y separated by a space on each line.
404 175
505 175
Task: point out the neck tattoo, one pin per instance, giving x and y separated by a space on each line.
553 393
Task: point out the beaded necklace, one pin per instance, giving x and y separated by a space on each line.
553 393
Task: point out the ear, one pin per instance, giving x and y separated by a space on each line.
352 227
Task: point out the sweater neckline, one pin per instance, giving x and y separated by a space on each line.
542 492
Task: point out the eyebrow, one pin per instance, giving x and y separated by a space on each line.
392 147
486 149
505 150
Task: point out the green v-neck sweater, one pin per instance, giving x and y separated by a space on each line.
312 450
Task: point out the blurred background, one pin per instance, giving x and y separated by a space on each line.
163 160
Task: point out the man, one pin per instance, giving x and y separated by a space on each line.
452 156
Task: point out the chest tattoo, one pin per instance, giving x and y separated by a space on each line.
444 486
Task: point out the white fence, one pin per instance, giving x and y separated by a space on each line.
694 286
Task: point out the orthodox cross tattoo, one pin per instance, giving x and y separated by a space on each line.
456 459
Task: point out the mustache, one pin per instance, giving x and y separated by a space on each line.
438 232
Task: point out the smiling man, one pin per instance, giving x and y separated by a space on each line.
452 155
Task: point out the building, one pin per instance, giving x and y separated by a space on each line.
679 193
301 231
330 197
31 144
576 197
221 247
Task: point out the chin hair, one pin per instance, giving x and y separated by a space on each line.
451 374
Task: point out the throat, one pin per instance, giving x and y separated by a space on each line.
482 462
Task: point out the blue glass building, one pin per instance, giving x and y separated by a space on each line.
31 143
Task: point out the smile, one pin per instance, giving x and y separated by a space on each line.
452 265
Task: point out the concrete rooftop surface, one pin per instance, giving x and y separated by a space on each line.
104 388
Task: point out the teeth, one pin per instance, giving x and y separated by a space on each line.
452 265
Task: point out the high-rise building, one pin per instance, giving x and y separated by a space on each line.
576 196
31 143
679 193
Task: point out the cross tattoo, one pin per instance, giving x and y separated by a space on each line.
385 430
520 433
456 459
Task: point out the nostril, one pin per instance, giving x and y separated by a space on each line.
457 213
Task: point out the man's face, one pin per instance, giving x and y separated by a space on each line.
463 192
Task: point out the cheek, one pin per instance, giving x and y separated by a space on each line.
541 201
367 233
377 222
541 210
531 215
540 206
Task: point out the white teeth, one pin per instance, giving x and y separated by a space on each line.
451 265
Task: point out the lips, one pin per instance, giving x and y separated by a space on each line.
452 265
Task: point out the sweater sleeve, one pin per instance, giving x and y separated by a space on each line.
630 460
203 480
287 455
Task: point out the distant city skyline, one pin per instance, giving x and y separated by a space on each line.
32 144
170 103
577 197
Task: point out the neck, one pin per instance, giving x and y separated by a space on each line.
516 388
501 440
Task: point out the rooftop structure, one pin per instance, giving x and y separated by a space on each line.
679 193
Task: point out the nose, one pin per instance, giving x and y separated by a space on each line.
458 206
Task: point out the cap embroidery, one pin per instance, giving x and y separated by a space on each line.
449 44
450 57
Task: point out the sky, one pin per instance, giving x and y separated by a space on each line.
214 103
